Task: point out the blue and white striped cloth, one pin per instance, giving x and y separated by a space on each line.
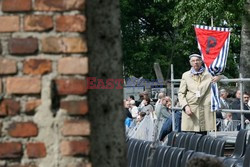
217 66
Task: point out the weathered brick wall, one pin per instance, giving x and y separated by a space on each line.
43 67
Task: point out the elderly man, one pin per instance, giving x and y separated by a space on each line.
160 96
224 104
163 112
195 98
158 104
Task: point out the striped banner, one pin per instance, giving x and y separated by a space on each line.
213 43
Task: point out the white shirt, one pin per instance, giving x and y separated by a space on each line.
134 111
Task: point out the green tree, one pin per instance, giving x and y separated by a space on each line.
147 36
203 12
163 31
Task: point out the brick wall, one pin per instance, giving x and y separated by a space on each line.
43 67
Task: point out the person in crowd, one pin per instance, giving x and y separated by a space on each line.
159 105
246 99
160 96
140 117
220 116
236 104
195 98
147 107
164 111
246 115
167 125
161 108
228 122
155 94
228 118
224 104
138 102
248 104
127 113
205 161
145 96
131 97
133 109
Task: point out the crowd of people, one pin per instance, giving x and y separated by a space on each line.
149 120
159 113
154 112
232 121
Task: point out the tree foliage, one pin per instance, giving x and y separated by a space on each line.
147 36
163 32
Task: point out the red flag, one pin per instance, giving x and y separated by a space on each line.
211 43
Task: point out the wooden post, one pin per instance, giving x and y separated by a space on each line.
158 73
212 21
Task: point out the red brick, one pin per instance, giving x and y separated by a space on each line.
3 110
75 148
10 150
59 5
74 23
52 45
11 23
31 105
74 45
75 107
23 45
23 85
73 65
9 107
71 86
38 23
16 5
7 66
64 45
36 150
37 66
23 129
76 128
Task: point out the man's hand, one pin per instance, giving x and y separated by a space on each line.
216 78
188 111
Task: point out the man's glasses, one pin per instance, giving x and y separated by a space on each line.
195 61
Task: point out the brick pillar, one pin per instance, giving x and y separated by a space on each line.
43 68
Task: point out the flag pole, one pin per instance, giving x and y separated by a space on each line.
215 134
212 21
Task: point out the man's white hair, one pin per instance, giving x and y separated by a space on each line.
195 55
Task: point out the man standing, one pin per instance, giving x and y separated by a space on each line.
224 104
195 98
247 116
236 104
